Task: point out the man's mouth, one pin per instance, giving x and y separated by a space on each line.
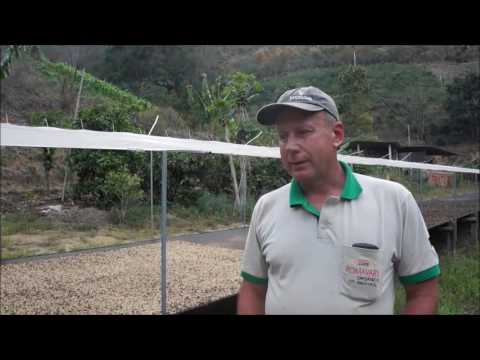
297 163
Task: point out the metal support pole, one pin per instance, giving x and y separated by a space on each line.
454 185
455 219
455 194
420 202
454 236
243 189
151 190
163 231
477 223
420 182
151 174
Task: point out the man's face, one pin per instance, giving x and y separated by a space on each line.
308 143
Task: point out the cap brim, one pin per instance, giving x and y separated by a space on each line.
268 114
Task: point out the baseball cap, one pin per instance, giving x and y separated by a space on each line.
305 98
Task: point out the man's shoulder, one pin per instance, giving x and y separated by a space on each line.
270 204
279 193
378 185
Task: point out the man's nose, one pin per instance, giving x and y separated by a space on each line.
291 144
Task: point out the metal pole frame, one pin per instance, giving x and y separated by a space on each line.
420 183
455 191
477 215
163 233
151 175
420 189
151 191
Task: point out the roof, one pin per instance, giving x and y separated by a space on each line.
375 145
383 145
429 150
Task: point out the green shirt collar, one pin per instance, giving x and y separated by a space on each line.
351 190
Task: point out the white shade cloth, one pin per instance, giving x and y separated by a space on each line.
29 136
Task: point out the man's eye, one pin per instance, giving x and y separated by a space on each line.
305 131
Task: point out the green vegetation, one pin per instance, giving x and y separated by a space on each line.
402 91
223 105
463 104
398 95
26 222
91 84
29 234
459 285
354 102
55 119
92 166
124 189
29 222
380 94
11 52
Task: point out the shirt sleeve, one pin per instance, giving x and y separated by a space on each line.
254 266
418 259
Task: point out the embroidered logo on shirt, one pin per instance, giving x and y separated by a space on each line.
362 272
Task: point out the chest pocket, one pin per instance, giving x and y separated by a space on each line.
362 271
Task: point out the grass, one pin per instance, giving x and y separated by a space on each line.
12 254
26 234
31 223
209 211
25 222
459 285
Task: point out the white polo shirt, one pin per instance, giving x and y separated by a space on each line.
307 258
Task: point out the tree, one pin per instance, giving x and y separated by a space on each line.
242 89
217 107
463 106
136 67
57 119
354 101
219 102
10 53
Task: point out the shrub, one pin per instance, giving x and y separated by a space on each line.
92 166
217 204
124 189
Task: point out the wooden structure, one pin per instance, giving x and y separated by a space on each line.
395 151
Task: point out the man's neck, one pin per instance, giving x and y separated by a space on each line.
329 185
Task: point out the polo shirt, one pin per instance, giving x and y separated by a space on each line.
306 257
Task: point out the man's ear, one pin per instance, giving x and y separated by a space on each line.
338 133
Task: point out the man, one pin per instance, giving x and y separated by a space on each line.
332 241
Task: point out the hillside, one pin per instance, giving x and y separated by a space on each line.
263 60
40 87
409 91
43 86
401 95
407 83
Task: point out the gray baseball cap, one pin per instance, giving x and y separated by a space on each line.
305 98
